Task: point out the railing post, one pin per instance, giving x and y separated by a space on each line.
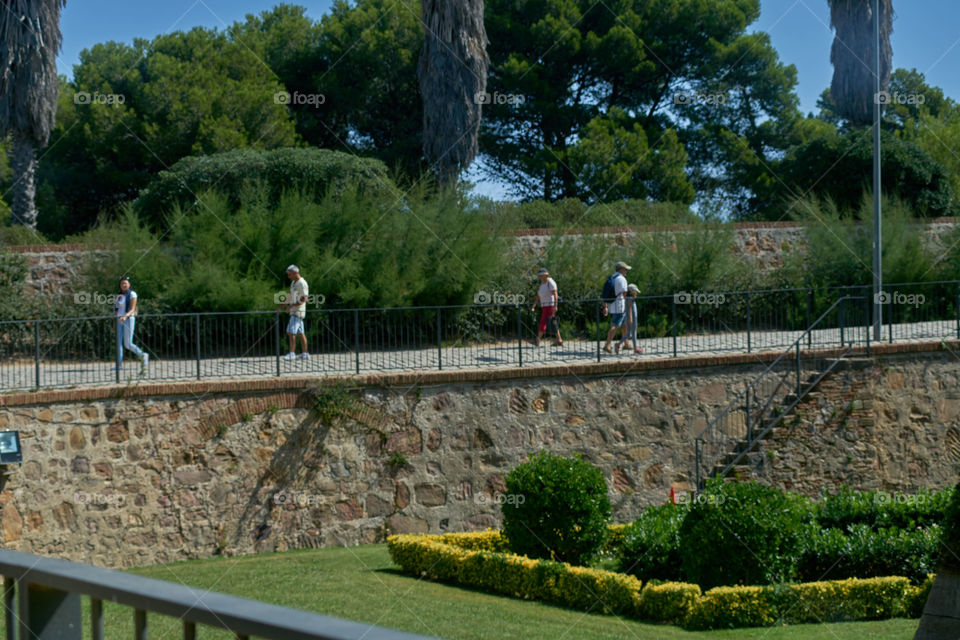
697 458
869 326
356 339
958 310
840 311
9 602
140 625
196 326
748 322
749 421
809 314
96 618
599 304
36 354
439 348
276 330
116 322
519 338
673 314
798 370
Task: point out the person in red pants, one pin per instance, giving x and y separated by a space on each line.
548 297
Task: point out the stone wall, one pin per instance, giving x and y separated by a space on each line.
134 481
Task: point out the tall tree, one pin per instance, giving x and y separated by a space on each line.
453 82
853 54
29 87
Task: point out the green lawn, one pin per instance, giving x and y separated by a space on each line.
361 583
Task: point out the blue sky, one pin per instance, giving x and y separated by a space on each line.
926 32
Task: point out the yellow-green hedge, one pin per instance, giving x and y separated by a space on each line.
518 576
477 560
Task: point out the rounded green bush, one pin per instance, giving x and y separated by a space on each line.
651 544
743 533
556 508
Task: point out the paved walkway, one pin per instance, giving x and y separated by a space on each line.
22 374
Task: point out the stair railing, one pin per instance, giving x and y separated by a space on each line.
777 390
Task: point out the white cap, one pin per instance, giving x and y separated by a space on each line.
293 268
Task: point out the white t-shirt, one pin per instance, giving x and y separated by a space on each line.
121 304
299 289
545 292
620 290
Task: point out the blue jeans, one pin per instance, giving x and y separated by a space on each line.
125 338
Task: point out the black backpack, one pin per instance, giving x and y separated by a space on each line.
609 293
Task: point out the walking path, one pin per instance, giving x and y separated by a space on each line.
23 374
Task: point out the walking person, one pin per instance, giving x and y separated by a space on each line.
614 304
549 299
296 308
631 321
125 307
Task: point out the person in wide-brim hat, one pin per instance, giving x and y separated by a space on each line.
549 297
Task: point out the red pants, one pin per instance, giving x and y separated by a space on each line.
545 314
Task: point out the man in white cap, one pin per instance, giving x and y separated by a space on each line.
296 308
616 308
548 297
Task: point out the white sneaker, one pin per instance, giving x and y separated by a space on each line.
303 356
290 356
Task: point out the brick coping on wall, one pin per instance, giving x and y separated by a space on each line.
437 377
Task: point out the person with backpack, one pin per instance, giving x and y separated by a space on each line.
614 290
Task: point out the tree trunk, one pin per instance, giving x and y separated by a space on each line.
941 615
23 161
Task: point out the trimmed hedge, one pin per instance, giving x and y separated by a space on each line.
454 558
517 576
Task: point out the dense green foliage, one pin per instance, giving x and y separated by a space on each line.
743 533
313 172
651 544
556 508
747 533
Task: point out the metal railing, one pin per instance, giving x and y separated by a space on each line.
773 394
65 352
43 600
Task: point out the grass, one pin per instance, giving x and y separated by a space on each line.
361 583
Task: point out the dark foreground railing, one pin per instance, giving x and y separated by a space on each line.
43 598
83 351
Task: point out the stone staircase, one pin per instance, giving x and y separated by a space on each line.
824 403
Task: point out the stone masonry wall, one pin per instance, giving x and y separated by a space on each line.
124 482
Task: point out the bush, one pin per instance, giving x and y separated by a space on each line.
651 544
316 172
669 602
864 553
951 532
879 509
916 598
743 533
563 512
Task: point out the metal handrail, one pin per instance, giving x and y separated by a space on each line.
736 402
241 616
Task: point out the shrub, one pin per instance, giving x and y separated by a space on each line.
563 512
864 553
669 602
307 170
743 533
651 544
951 532
879 509
916 598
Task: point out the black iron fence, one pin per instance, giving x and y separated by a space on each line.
83 351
